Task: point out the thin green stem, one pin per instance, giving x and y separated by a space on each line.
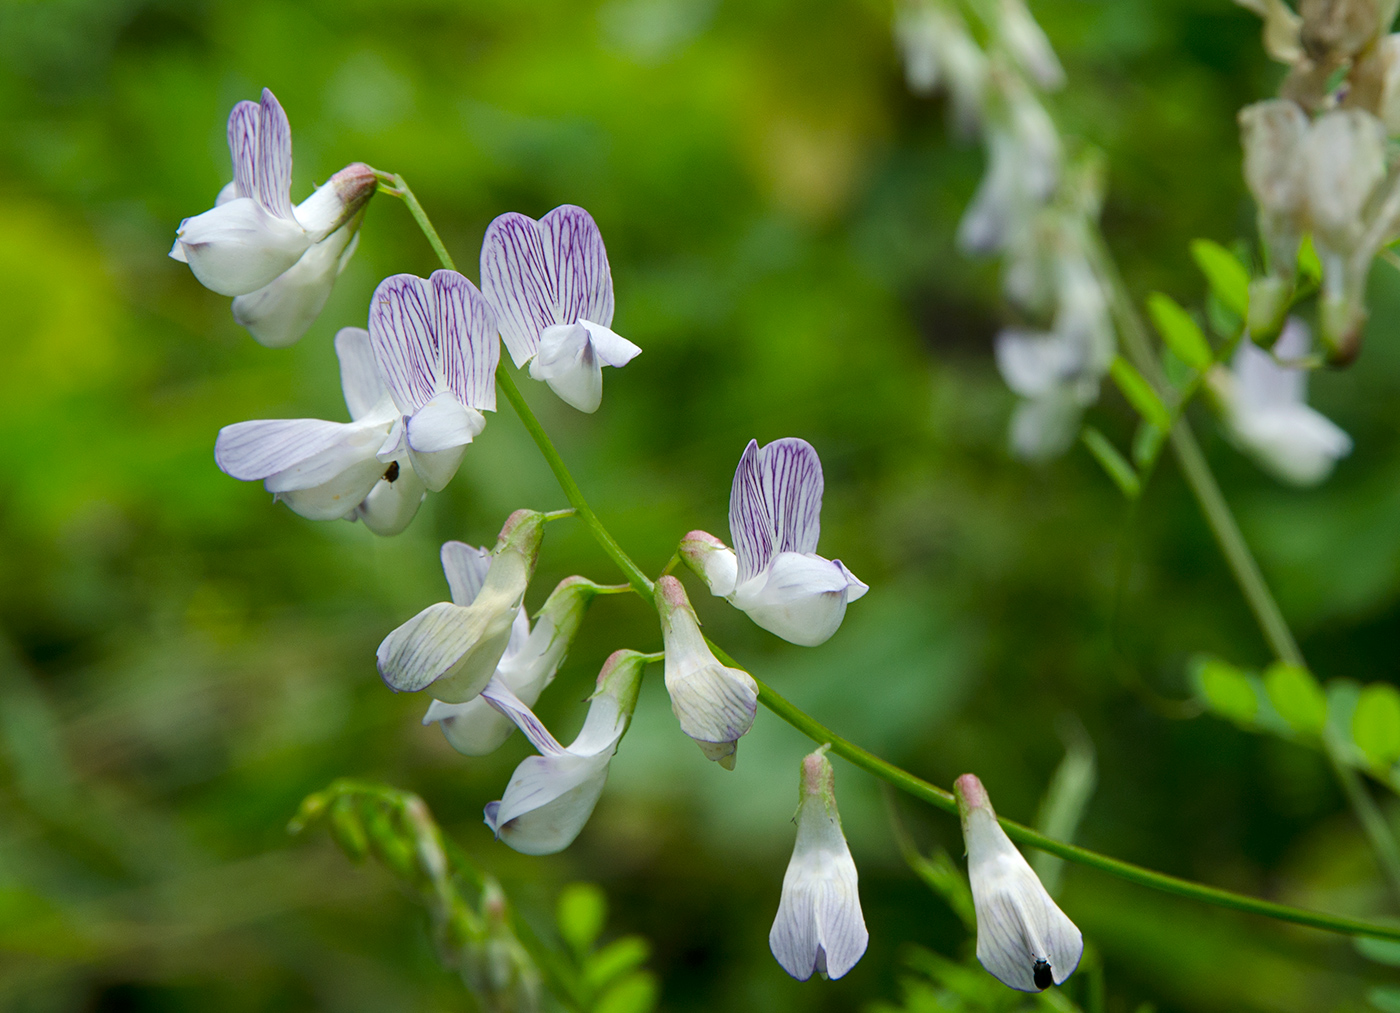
1240 559
396 186
868 761
572 492
1022 834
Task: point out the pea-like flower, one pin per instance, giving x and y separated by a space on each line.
1266 413
715 704
435 341
1057 373
532 655
326 470
819 927
1024 162
550 796
773 572
456 648
940 53
1023 939
552 290
279 261
1320 176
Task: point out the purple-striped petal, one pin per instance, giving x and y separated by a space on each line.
579 261
499 696
252 451
466 331
750 526
538 274
401 333
434 335
243 147
274 176
517 281
792 486
775 504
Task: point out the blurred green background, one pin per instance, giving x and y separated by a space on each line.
183 660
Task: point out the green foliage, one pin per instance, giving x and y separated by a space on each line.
1181 333
1226 690
583 910
1385 998
1375 724
191 659
1140 393
1067 797
1112 462
1297 697
936 984
1227 277
610 978
500 959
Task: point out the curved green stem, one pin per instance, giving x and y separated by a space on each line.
1239 558
572 492
863 758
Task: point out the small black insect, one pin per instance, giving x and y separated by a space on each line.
1040 971
393 472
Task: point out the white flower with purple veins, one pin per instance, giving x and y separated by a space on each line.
456 648
279 261
550 796
1023 939
435 342
773 572
532 655
326 470
1267 414
714 704
819 927
552 290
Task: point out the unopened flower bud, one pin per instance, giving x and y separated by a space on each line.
714 704
1023 938
712 560
550 796
337 200
819 927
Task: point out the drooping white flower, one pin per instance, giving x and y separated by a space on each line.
456 648
774 573
551 287
714 704
325 470
1057 373
435 341
253 234
819 927
1025 40
1023 938
1272 134
550 796
1267 415
1024 157
531 659
279 313
939 53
